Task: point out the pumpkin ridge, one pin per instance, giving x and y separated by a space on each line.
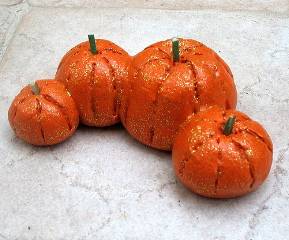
256 135
128 99
227 102
162 51
251 167
17 106
155 105
196 89
113 80
227 166
70 54
228 70
192 49
59 107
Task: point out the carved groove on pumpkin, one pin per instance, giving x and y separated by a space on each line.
17 106
155 106
126 107
61 109
251 166
151 134
260 138
159 49
128 99
113 77
92 94
256 135
149 61
218 171
183 166
110 50
39 111
196 103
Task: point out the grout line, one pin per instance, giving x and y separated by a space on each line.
278 14
196 8
12 5
27 7
12 29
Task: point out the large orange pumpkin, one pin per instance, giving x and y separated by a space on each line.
43 113
93 73
222 153
166 86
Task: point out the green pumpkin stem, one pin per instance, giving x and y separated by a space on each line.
35 88
176 49
92 43
229 125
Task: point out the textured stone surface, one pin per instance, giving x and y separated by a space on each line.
101 184
9 2
267 5
9 18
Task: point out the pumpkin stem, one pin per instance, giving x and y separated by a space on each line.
229 125
176 49
93 48
35 88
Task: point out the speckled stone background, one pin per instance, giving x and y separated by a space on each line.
101 184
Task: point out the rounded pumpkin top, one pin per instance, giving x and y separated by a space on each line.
162 92
216 164
43 113
209 76
95 80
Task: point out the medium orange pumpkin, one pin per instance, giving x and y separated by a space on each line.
222 153
167 83
93 73
43 113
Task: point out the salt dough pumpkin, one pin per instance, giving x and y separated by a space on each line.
94 80
216 157
162 92
43 113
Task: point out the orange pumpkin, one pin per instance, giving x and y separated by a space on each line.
167 83
222 153
93 73
43 113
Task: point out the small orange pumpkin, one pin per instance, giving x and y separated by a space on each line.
222 153
168 81
43 113
93 73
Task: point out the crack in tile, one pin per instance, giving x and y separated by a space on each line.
3 236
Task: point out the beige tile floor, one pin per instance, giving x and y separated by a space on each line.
259 5
101 184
